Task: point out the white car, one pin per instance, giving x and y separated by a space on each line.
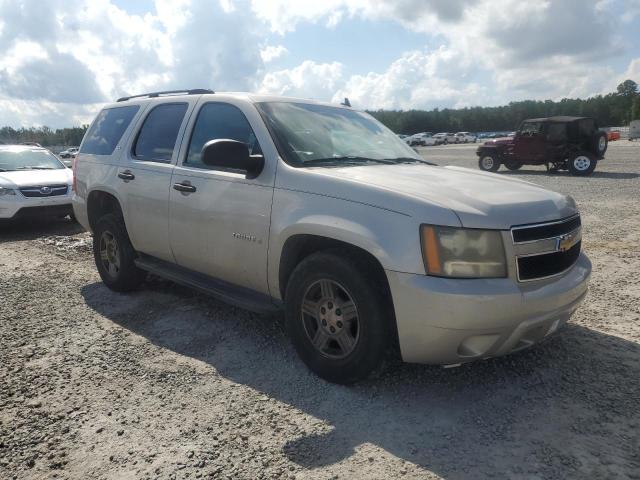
69 153
323 213
465 137
33 182
424 139
445 138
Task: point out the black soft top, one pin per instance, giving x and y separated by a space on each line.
558 119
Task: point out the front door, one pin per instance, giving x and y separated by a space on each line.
529 144
219 222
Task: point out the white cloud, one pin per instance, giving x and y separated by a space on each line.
271 52
60 58
307 80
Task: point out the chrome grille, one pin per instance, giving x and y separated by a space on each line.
44 190
546 249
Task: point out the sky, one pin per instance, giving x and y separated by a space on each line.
61 60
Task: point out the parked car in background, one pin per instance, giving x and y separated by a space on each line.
69 152
634 130
445 138
33 182
465 137
561 143
279 204
423 139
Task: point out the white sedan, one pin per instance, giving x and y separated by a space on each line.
465 137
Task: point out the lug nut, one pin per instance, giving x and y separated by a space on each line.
338 312
330 305
323 310
324 322
333 330
339 324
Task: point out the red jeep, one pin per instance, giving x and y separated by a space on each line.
560 143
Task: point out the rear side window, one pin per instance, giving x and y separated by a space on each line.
218 121
157 138
107 130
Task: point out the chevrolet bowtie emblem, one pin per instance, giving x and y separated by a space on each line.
568 240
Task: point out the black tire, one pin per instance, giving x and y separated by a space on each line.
582 164
513 165
123 275
599 144
446 142
488 163
373 319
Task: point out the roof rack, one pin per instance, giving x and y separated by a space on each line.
194 91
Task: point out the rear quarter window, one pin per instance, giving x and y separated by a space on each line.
107 130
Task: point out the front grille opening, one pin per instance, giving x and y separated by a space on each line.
54 190
539 232
540 266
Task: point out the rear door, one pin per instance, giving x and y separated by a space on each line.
221 229
530 143
145 175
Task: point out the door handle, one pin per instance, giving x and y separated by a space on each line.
184 187
126 175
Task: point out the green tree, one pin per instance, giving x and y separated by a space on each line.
635 109
628 88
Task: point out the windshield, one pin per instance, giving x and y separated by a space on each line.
311 134
11 160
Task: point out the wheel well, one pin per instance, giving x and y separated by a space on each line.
100 203
298 247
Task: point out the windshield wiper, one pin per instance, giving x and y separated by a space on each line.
34 168
410 160
345 160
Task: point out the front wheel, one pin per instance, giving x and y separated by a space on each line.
337 318
114 255
582 164
488 163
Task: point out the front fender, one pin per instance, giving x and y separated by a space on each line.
391 237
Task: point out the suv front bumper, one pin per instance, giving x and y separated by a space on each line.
450 321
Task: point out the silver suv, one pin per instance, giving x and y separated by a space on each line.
320 211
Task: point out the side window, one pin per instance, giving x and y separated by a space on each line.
158 135
107 130
557 132
217 121
530 129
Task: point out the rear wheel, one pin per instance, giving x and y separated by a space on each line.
489 163
582 164
114 255
337 318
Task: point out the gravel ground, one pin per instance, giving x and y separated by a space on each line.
166 383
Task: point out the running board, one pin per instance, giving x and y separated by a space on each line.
224 291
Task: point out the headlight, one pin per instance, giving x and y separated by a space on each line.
6 191
462 253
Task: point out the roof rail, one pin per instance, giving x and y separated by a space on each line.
194 91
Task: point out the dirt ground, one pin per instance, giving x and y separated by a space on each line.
167 383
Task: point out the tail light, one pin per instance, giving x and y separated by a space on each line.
75 163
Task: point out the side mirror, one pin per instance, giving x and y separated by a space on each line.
233 155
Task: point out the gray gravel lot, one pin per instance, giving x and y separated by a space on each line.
166 383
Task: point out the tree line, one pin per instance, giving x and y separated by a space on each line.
45 136
614 109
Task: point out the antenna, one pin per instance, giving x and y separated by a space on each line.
346 102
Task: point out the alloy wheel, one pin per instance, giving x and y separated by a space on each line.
330 319
109 253
582 163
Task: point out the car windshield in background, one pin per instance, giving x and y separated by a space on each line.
313 134
12 160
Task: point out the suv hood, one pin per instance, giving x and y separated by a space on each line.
26 178
479 199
